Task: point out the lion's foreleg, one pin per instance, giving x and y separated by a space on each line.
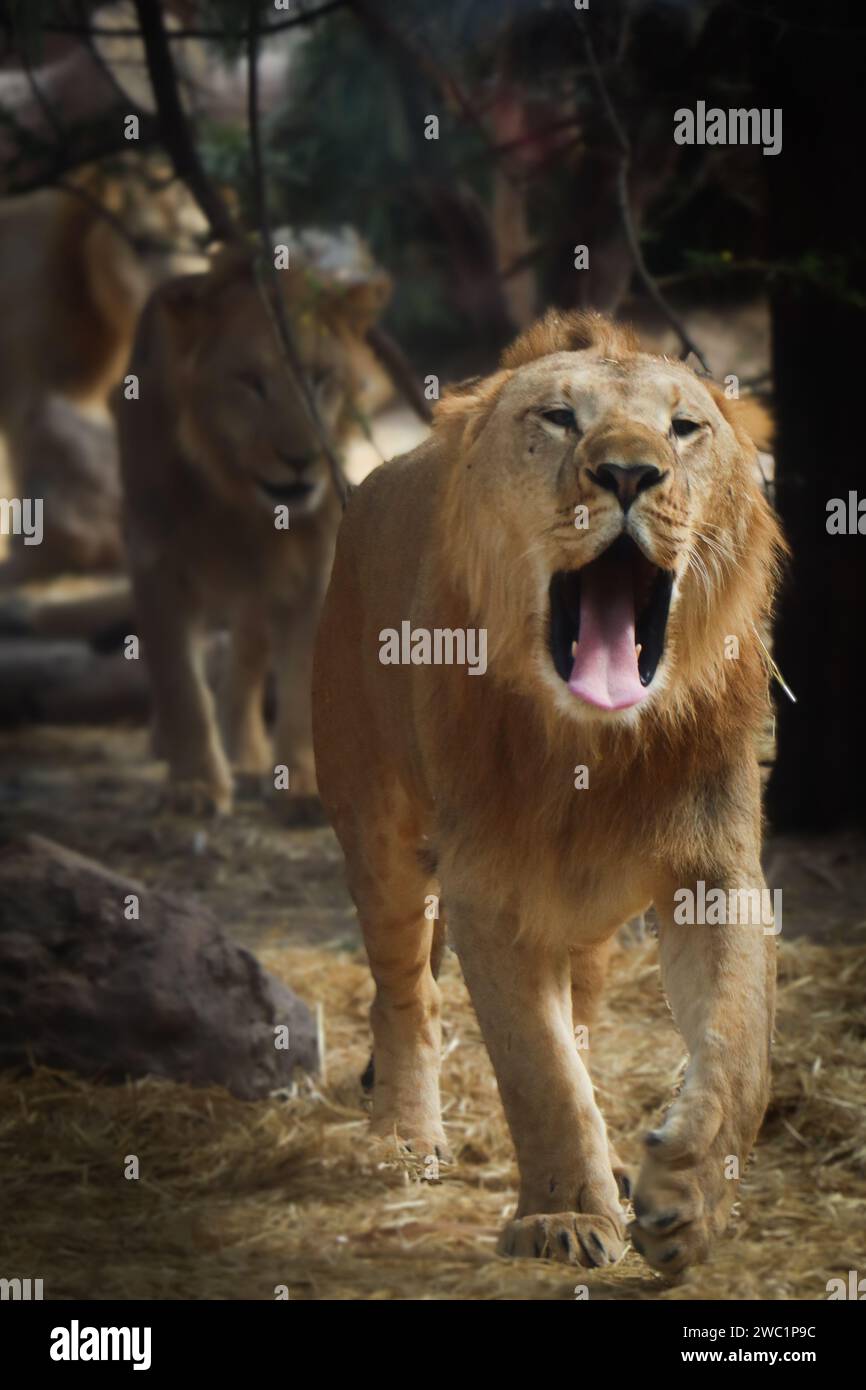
567 1207
720 980
186 727
589 965
243 710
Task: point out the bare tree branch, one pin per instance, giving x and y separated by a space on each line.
399 369
52 119
50 148
624 206
42 162
95 55
173 124
270 290
388 351
307 17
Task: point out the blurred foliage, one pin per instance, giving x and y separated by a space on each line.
346 144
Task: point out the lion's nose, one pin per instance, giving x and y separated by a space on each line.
627 479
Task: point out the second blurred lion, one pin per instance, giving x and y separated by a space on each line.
230 511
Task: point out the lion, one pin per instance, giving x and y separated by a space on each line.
588 521
77 263
230 511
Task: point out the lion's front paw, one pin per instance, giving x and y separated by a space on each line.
187 797
567 1236
418 1135
670 1230
680 1205
251 786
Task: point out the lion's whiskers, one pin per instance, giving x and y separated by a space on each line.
697 565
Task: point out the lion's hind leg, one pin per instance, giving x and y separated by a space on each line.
437 952
396 906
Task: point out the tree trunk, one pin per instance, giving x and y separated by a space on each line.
816 76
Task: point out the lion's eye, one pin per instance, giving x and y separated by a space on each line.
253 382
682 428
564 418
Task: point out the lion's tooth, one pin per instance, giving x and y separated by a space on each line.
574 649
638 648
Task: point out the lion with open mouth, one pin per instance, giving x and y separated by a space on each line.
596 511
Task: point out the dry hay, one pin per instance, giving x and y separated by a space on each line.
235 1198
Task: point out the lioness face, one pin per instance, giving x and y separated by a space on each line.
627 502
245 418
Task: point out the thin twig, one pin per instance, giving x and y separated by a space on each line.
271 291
624 205
52 118
97 58
174 127
46 162
399 369
718 271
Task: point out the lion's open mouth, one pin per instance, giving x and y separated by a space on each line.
607 625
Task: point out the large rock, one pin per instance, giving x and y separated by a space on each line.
84 988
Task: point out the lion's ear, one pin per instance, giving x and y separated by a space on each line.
357 307
468 404
747 416
756 420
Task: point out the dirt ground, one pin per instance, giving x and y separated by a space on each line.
240 1198
275 882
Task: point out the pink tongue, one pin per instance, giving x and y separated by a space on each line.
605 670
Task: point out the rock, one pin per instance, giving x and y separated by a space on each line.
67 682
86 988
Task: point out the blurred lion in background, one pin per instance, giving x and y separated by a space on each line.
230 510
76 265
